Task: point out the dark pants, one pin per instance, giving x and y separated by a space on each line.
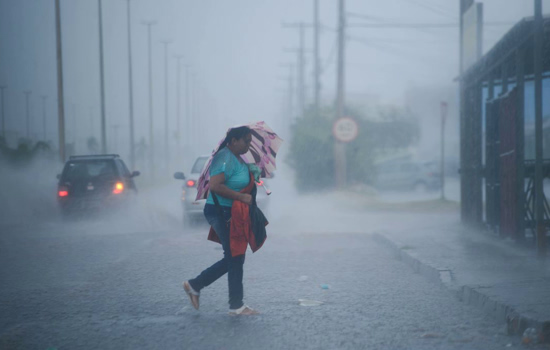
233 266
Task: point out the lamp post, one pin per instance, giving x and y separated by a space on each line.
178 101
166 143
149 24
2 88
442 162
102 83
44 117
130 91
27 114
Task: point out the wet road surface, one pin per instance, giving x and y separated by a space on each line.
115 285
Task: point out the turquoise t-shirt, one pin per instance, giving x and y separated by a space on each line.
236 174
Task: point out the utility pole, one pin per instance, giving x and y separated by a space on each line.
316 65
340 163
302 71
151 140
60 105
539 176
291 92
27 114
166 143
301 26
102 82
2 88
131 92
178 102
442 162
44 117
290 87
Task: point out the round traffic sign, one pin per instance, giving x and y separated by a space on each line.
345 129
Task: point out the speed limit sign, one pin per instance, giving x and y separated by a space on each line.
345 129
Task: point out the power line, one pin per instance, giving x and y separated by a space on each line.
433 9
388 50
401 25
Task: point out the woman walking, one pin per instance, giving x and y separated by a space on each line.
231 184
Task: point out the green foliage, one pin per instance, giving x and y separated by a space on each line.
311 153
93 145
312 146
25 151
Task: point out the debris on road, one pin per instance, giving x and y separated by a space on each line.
306 302
430 335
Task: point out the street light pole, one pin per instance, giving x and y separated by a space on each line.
27 113
3 115
442 162
340 163
178 101
187 110
60 104
151 140
316 69
102 83
130 91
166 143
44 118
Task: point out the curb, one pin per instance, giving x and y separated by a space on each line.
516 322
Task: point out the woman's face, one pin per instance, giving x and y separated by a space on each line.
243 144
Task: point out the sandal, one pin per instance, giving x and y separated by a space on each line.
243 310
193 295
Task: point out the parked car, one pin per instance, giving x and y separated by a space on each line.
408 175
94 182
192 208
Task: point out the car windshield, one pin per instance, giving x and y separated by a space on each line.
199 165
96 169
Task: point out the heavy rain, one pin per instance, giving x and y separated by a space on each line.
399 151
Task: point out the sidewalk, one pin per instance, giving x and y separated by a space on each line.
506 280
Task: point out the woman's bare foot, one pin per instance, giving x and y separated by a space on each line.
193 296
244 311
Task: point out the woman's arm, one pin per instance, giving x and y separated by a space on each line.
217 186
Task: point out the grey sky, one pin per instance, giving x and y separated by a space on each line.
235 48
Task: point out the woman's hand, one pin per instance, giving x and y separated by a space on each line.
246 198
217 186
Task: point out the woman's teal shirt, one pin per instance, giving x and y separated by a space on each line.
236 174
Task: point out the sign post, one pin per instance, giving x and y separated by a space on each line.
344 130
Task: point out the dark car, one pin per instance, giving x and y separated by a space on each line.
95 182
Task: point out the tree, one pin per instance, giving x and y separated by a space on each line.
311 146
93 145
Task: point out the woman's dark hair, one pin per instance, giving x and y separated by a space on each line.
235 133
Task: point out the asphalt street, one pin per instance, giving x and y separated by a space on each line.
114 283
